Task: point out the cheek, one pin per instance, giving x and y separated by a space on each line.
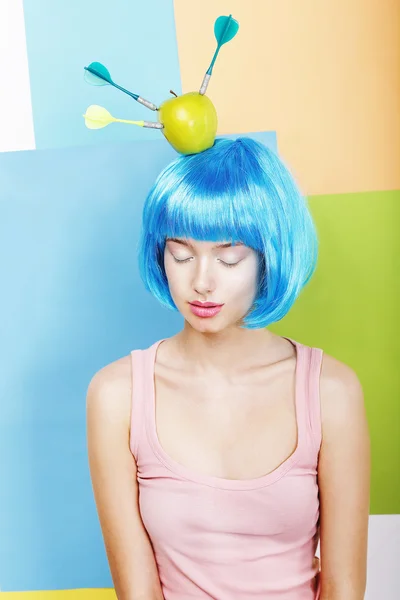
242 283
250 280
174 273
246 284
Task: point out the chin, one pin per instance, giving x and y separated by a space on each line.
210 325
201 323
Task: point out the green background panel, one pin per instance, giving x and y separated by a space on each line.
350 308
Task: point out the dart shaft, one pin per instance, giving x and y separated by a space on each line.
143 101
139 99
140 123
147 103
204 85
153 125
131 94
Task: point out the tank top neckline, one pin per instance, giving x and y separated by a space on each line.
211 480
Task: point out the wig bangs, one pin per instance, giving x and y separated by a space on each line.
210 213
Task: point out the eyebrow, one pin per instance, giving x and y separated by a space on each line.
183 243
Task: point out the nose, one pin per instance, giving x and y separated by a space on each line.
203 281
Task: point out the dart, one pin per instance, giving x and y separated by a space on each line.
188 122
97 117
225 29
97 74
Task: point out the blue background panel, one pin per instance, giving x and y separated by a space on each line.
72 302
137 43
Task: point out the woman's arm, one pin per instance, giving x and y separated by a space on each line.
113 474
344 483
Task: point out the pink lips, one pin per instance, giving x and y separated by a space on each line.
205 309
205 304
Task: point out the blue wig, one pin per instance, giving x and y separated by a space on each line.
236 191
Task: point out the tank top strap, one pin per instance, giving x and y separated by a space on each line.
307 393
138 392
314 401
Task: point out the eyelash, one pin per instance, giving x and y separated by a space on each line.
229 265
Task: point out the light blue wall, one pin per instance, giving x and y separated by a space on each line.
72 301
135 40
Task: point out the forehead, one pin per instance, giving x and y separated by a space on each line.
190 243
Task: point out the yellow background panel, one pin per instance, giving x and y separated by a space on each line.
323 74
84 594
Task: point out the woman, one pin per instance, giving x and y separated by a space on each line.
221 455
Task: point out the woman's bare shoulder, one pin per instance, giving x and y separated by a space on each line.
340 387
109 390
336 372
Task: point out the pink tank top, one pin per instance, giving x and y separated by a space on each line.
225 539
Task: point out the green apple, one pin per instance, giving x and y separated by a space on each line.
190 122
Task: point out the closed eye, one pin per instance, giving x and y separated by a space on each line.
229 265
